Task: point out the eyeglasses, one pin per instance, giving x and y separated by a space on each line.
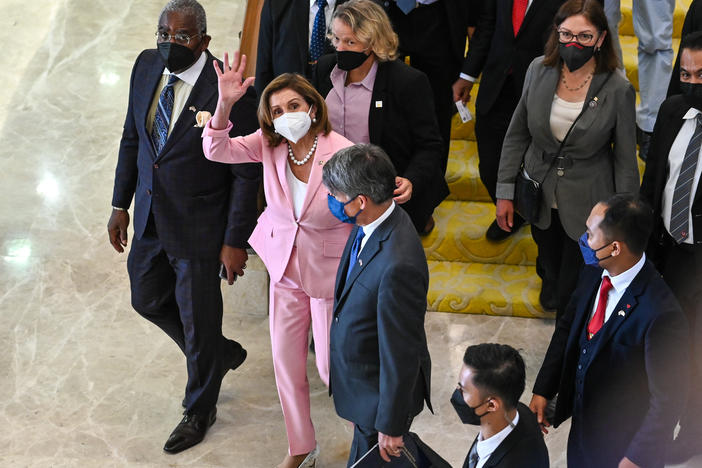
180 38
567 36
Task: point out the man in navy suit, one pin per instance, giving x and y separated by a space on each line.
618 357
191 216
379 361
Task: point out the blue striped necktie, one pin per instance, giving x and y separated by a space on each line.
162 120
318 32
680 209
355 248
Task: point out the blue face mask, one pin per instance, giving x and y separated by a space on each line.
337 209
590 254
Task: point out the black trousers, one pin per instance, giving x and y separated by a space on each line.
425 37
559 260
183 298
682 271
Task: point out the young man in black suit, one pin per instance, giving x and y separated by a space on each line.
191 216
489 387
379 361
671 184
508 36
618 357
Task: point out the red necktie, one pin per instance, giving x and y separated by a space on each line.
598 319
519 8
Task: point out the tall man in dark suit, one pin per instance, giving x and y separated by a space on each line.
489 387
509 35
671 184
191 215
379 361
292 36
617 359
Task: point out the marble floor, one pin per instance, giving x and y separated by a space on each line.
85 381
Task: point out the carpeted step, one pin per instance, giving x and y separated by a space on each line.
459 236
626 27
481 288
462 173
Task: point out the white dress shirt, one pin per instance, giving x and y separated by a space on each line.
675 159
181 91
370 227
619 285
328 12
298 190
473 78
485 447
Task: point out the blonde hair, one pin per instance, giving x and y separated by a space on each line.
371 25
302 87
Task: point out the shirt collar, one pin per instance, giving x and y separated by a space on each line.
485 447
370 227
624 279
691 113
192 73
338 78
330 3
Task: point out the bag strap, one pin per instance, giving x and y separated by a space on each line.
594 99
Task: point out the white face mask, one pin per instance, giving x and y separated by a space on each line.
293 125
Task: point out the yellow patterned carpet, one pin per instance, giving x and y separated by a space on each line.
469 274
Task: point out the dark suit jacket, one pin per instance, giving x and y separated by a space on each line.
631 396
283 40
668 124
600 151
379 362
197 204
523 447
495 52
693 23
401 120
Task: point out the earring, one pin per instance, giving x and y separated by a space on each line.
314 120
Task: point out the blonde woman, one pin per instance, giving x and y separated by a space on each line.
374 98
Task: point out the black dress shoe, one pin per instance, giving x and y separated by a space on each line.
495 233
548 297
190 431
235 359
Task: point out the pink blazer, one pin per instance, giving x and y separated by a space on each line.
320 237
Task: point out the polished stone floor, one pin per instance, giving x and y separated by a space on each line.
85 381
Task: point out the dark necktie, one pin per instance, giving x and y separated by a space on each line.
406 5
162 119
519 8
318 32
598 319
680 209
354 250
473 457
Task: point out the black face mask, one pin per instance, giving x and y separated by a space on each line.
692 93
574 54
466 414
347 60
176 57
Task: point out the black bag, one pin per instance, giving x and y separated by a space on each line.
527 192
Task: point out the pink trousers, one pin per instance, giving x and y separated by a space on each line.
291 312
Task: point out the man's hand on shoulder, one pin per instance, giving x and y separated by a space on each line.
117 229
234 261
389 445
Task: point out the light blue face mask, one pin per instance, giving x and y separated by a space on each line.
337 209
590 254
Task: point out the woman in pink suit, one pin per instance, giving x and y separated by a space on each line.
297 237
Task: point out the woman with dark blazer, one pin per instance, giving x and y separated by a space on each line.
576 76
374 98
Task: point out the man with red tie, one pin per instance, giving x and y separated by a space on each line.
617 359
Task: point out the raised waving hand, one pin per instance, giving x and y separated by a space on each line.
232 86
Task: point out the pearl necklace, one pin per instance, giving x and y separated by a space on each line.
577 88
306 158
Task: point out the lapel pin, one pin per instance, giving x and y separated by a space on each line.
621 312
378 104
321 163
192 108
360 262
628 306
593 103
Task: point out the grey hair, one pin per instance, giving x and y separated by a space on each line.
361 169
189 7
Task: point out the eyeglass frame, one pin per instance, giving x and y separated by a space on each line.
577 37
175 37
